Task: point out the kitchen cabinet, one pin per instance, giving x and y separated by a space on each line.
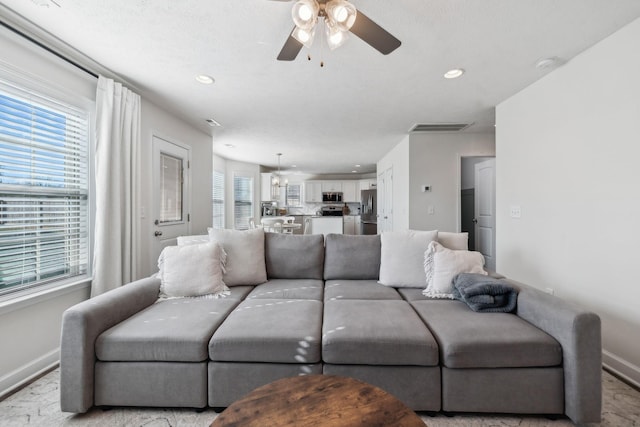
313 191
331 187
265 187
349 224
368 184
350 193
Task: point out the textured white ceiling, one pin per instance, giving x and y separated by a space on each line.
361 103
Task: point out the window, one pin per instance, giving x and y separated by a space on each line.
218 199
171 171
44 189
294 195
242 201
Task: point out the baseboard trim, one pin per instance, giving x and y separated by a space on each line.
18 378
625 370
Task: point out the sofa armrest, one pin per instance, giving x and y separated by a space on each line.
578 332
82 324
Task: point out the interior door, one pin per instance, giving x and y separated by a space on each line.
485 206
170 193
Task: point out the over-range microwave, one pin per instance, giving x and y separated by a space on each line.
332 197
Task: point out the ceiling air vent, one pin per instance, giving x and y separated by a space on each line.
440 127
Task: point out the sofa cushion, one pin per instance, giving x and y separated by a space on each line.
289 289
270 330
486 340
376 332
402 257
290 256
176 330
245 255
358 289
352 257
412 294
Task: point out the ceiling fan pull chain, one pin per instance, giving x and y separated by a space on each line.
322 41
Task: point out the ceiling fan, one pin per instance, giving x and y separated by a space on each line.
340 17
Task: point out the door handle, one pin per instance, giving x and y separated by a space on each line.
157 233
475 220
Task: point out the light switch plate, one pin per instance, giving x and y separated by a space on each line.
516 212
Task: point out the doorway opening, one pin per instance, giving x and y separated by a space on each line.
477 205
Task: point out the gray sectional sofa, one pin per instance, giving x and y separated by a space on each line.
323 311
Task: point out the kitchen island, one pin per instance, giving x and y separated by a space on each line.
326 225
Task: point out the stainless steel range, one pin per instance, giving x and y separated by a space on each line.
331 210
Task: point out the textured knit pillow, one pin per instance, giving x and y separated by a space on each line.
245 255
441 265
192 271
402 257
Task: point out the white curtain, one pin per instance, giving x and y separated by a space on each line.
117 186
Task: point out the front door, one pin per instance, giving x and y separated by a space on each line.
485 206
170 193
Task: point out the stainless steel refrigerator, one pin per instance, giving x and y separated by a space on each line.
368 212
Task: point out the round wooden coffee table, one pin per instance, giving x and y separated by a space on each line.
318 400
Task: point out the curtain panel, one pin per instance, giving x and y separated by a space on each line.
117 151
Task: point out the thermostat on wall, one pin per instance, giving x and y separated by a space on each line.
426 188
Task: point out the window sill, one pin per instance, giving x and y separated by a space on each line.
22 299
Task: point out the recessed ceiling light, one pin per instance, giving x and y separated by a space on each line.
294 166
213 123
357 166
229 145
354 171
204 79
454 73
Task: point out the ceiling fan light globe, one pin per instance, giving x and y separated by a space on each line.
304 36
335 36
305 13
342 13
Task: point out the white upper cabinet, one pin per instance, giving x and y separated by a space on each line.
350 192
368 184
331 186
313 191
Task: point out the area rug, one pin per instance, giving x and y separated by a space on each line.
38 405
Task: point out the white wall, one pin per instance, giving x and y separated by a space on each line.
567 150
30 327
398 160
434 159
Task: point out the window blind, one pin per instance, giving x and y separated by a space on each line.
242 201
294 196
44 213
218 199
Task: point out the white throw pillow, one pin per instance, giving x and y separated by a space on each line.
402 257
245 255
441 265
195 239
455 241
192 270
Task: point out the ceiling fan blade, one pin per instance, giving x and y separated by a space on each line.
290 49
372 33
